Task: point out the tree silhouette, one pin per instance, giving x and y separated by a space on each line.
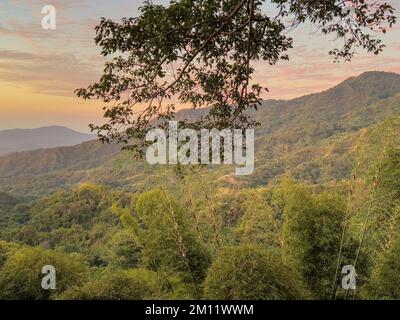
200 53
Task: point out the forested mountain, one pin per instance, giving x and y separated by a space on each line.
117 228
316 131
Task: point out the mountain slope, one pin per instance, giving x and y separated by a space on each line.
334 110
317 132
16 140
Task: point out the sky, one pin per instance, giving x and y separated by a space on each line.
40 69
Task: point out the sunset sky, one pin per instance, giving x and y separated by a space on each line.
40 69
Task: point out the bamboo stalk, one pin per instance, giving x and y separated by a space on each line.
182 248
366 223
193 210
345 223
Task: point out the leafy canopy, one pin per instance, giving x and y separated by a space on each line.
201 53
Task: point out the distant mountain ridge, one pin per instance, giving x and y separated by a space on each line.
16 140
320 132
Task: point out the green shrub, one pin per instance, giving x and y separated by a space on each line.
249 272
21 275
134 284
